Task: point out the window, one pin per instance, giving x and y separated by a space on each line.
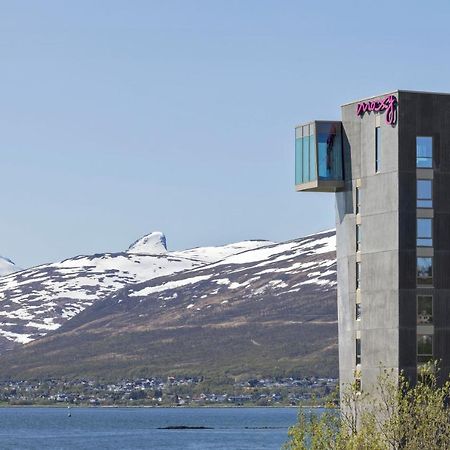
424 233
424 271
358 311
357 200
424 348
329 150
424 310
377 148
358 351
358 275
424 194
358 237
424 151
305 157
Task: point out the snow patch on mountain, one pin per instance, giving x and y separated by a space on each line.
282 261
40 299
214 254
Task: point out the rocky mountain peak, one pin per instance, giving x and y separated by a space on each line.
7 266
151 244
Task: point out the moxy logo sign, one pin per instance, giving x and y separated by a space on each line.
388 104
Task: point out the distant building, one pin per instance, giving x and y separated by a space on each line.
388 163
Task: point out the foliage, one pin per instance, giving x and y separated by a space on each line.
397 415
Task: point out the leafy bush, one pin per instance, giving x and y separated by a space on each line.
397 415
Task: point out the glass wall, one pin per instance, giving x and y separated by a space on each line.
318 152
305 154
329 149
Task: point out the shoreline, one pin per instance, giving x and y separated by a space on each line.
165 407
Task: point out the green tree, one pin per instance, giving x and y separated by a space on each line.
397 415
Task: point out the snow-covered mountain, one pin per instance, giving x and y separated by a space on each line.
38 300
264 309
151 244
7 266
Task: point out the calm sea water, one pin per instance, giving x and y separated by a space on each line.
137 428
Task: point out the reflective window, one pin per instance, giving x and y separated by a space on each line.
312 158
298 156
424 309
358 237
358 275
424 232
358 351
424 193
329 149
357 200
424 348
424 151
358 311
377 148
424 271
306 140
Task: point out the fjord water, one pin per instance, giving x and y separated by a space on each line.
143 428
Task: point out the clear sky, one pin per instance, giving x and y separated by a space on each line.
118 118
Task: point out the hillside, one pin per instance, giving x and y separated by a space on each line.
264 311
35 301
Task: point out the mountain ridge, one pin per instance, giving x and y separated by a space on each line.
37 300
269 310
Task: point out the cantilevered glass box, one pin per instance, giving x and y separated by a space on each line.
318 157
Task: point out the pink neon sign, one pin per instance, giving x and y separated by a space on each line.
388 104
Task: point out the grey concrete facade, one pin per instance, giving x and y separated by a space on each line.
378 213
378 327
386 298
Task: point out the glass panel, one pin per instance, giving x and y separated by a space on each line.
357 200
312 159
358 275
424 151
358 311
305 159
424 270
377 148
425 344
424 232
424 309
424 194
329 149
299 161
358 351
358 237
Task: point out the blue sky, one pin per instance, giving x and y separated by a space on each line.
118 118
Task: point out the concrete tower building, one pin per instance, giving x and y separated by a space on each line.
388 162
